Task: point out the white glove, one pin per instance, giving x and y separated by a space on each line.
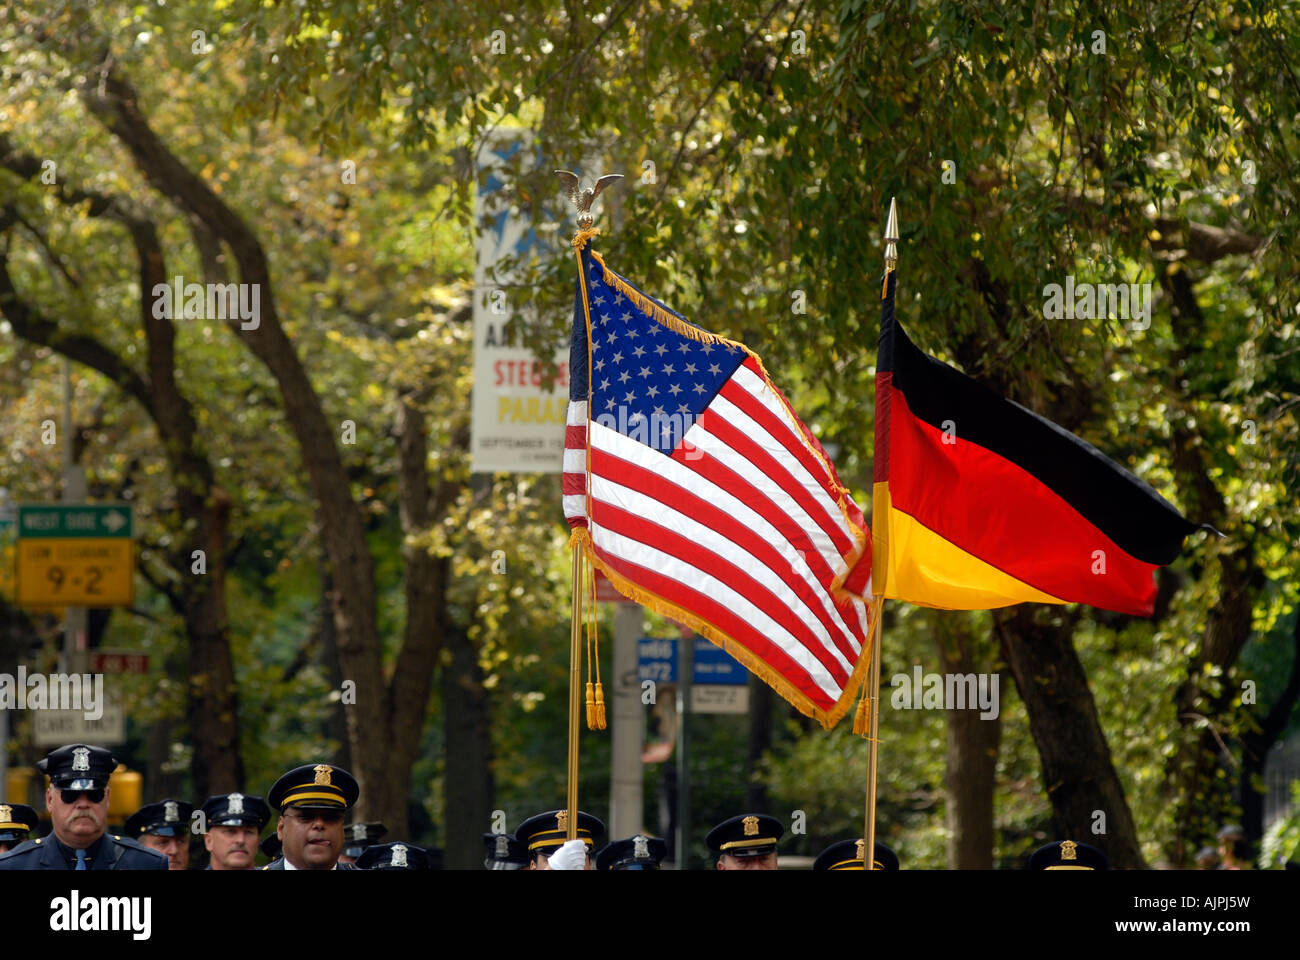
571 856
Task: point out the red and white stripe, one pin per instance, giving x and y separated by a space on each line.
740 526
573 479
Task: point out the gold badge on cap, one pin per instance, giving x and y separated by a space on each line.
751 826
862 846
1069 850
6 812
323 771
562 820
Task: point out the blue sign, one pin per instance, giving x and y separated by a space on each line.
713 665
656 659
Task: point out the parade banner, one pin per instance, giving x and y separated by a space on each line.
517 423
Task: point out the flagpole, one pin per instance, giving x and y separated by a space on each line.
582 201
575 685
879 572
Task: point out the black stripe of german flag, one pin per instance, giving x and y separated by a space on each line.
981 503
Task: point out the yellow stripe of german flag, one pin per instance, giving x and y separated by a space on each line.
926 569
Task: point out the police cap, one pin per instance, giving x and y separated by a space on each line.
847 855
78 766
236 810
546 832
166 818
360 835
394 856
504 852
16 821
748 835
634 853
1067 855
314 786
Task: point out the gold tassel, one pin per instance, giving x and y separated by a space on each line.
600 707
591 708
860 718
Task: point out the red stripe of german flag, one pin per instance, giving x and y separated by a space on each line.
980 503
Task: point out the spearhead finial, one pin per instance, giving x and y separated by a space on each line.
891 236
582 199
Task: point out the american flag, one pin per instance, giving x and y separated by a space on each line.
701 495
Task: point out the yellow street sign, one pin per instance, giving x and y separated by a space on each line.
7 572
76 572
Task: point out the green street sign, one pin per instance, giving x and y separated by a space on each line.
111 520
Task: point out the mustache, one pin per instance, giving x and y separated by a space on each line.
84 815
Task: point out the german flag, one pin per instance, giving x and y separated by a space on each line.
980 503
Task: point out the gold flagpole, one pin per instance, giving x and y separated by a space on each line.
575 685
880 568
582 200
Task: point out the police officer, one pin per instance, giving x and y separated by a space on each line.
234 822
545 837
163 826
635 853
847 855
504 852
746 842
394 856
77 799
1067 855
16 822
312 800
359 836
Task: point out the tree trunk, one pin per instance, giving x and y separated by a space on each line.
211 707
1205 698
469 789
1078 774
972 753
384 785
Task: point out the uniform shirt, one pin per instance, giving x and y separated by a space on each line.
279 863
109 852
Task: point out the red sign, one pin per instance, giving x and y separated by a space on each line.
606 592
110 661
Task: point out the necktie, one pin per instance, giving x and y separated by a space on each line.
81 860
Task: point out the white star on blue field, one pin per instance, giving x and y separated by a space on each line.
648 382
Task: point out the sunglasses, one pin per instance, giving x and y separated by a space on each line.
72 796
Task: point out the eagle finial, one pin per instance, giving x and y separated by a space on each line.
582 199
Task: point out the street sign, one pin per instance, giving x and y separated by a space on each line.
53 728
63 520
76 555
119 661
719 698
8 532
656 659
719 684
713 665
